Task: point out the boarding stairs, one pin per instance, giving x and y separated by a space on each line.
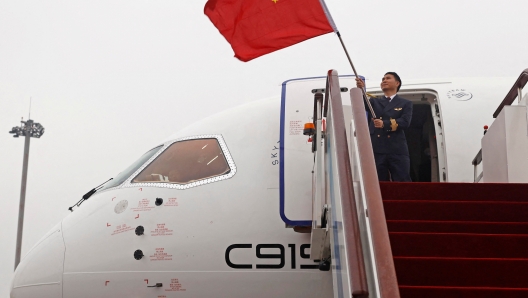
458 239
408 240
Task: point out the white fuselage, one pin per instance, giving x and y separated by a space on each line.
227 237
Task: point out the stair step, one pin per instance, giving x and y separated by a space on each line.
457 227
491 211
461 272
458 239
513 192
461 245
461 292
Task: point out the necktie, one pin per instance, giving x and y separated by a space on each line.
384 101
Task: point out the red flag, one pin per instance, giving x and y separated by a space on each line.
258 27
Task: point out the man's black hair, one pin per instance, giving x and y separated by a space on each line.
396 77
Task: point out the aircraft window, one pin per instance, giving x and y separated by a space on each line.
185 162
121 177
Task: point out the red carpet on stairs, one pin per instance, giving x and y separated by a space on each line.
458 239
457 227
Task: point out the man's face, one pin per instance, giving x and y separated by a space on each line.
389 83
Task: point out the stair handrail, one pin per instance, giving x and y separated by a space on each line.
375 213
515 92
475 162
354 247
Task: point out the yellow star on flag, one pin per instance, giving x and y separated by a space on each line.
275 1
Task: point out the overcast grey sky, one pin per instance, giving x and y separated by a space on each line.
111 79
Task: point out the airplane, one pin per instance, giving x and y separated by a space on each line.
223 207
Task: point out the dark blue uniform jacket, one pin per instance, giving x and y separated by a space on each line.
396 116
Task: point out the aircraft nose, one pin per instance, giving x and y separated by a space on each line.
39 274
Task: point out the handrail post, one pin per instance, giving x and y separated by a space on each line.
475 162
519 92
384 262
354 251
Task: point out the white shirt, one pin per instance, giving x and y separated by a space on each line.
392 97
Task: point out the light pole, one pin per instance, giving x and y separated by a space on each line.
28 129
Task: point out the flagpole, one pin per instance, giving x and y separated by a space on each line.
357 77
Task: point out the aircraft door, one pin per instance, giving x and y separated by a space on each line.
296 157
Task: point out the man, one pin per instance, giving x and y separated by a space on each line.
386 132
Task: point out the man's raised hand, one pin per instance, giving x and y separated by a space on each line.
360 83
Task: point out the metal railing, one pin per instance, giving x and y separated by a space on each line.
476 161
515 92
338 160
361 252
366 177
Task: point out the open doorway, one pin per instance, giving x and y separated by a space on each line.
424 136
421 142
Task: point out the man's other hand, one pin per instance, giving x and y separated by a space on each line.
378 123
360 83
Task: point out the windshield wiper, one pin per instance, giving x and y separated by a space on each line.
88 195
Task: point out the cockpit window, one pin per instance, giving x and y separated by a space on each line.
121 177
185 162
